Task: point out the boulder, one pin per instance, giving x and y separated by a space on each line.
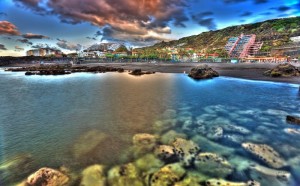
266 154
293 120
283 70
167 175
213 165
93 175
126 175
148 163
203 72
165 153
186 150
47 177
143 143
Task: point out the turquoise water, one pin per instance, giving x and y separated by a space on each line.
48 117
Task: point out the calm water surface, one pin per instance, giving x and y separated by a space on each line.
50 117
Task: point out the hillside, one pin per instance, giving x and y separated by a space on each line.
273 33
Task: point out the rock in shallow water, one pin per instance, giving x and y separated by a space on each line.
143 143
266 154
285 70
203 72
293 120
93 176
47 177
186 150
167 175
165 153
213 165
126 175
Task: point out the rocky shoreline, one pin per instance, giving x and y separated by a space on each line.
169 156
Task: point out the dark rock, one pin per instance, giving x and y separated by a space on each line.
120 70
293 120
203 72
283 70
136 72
30 73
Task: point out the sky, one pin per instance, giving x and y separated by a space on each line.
72 25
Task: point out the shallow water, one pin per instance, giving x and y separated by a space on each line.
51 117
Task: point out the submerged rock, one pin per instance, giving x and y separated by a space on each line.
215 133
148 163
47 177
167 175
265 153
203 72
87 143
165 153
186 150
234 138
192 178
162 126
93 176
292 131
293 120
213 165
170 136
126 175
144 143
274 176
220 182
16 167
283 70
236 129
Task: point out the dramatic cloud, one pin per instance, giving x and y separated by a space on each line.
7 28
31 4
245 14
205 20
34 36
69 46
26 41
239 1
145 18
17 48
2 47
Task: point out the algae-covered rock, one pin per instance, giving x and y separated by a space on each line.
16 167
185 150
87 143
170 136
47 177
165 153
169 114
167 175
148 163
93 176
143 143
125 175
220 182
192 178
213 165
265 153
270 176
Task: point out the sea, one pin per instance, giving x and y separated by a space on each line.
82 119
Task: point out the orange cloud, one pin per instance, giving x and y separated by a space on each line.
7 28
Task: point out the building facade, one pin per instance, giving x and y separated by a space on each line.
243 46
42 52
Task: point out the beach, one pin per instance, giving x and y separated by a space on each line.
252 71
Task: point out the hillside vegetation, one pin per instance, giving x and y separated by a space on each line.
273 33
